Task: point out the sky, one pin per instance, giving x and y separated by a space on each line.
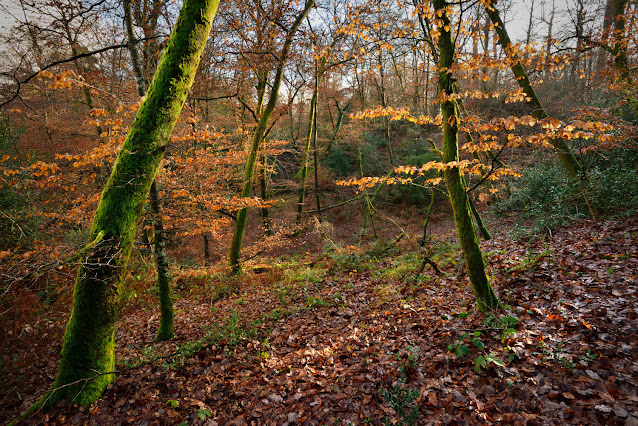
5 20
516 18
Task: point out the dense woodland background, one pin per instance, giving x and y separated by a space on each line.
348 300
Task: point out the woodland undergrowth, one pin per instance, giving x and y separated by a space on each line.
351 335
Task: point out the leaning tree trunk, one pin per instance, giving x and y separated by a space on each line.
565 154
341 112
87 359
166 329
485 297
260 131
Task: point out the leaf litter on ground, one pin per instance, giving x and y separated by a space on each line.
353 348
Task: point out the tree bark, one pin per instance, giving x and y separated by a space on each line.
306 152
263 184
87 359
249 169
485 297
565 154
621 61
166 329
341 112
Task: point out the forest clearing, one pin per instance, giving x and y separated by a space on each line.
321 212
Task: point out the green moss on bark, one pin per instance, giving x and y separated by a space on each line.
260 131
485 297
306 152
87 360
564 153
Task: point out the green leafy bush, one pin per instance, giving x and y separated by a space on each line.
339 162
547 197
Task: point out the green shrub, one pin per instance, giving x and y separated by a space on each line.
338 161
372 162
547 197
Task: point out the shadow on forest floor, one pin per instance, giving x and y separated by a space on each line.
349 337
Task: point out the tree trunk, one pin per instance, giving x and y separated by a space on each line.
306 152
316 164
621 61
341 112
87 359
85 89
565 154
165 330
485 296
263 184
249 169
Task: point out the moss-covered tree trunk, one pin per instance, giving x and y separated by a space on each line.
619 51
87 359
316 164
166 330
258 136
341 112
564 153
263 184
485 297
303 173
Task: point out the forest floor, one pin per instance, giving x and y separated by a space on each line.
350 336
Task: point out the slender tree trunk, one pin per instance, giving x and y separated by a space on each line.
549 41
85 89
485 296
486 50
206 249
263 177
165 330
316 164
565 154
306 152
87 360
341 112
249 169
263 184
384 104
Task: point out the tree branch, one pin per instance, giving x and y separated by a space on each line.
20 83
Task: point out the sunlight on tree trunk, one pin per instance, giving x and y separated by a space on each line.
485 297
87 359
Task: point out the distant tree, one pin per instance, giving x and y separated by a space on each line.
260 131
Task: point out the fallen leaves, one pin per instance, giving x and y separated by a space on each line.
573 357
